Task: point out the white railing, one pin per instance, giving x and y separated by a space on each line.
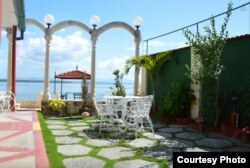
7 101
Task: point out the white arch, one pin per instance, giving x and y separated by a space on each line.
117 25
68 23
36 23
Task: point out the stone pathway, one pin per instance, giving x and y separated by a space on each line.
76 140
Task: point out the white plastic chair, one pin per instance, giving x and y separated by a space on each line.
108 113
103 112
138 114
5 101
118 107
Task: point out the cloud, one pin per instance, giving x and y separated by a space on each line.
64 51
105 68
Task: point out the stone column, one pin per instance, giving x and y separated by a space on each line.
94 37
9 68
196 86
46 92
137 52
144 80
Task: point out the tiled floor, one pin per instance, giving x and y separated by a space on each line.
21 142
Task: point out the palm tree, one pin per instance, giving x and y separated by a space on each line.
151 64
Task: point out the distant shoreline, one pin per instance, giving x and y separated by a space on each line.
58 81
34 81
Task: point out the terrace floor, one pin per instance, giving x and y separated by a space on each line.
21 143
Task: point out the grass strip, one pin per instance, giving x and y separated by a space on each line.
55 159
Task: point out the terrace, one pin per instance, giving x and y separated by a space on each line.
39 139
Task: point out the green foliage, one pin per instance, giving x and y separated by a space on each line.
151 64
206 63
56 105
55 159
207 49
119 89
178 100
85 89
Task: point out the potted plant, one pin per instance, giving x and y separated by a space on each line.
56 106
200 122
245 134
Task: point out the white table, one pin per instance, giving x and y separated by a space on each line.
120 104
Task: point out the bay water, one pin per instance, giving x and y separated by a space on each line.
28 90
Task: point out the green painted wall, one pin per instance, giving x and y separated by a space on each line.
170 72
235 77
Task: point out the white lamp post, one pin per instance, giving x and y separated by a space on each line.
48 19
94 21
137 23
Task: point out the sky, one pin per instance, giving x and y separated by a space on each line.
71 46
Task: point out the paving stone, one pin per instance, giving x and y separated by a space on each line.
77 124
164 134
213 143
61 132
138 163
54 127
88 162
99 142
55 122
189 135
201 149
160 152
171 130
54 118
177 126
82 134
191 129
159 125
93 121
153 136
177 143
80 128
170 164
90 134
67 140
73 149
73 118
238 149
142 142
116 152
215 135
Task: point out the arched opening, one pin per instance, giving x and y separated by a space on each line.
112 57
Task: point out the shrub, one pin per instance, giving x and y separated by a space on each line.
56 106
178 101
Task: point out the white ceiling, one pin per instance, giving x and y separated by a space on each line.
8 14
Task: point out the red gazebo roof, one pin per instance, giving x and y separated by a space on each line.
76 74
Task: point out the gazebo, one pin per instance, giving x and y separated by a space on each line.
75 74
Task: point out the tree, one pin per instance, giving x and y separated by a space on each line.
85 89
207 63
119 89
151 64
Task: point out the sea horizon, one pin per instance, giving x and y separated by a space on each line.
29 89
